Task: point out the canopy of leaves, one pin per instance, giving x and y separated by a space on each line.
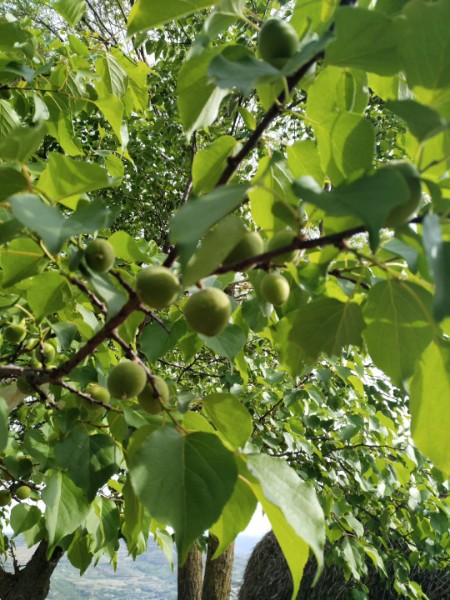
160 128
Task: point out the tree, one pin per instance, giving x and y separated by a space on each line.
93 129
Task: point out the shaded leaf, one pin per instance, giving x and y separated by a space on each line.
66 507
326 325
184 481
230 417
397 317
429 393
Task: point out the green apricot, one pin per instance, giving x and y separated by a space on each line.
158 287
5 497
277 42
402 213
251 244
98 392
149 401
99 255
48 351
275 289
126 380
14 333
23 492
208 311
282 238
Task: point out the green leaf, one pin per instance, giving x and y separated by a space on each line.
429 394
198 98
112 108
303 159
311 16
66 507
346 143
237 67
438 254
423 122
79 553
37 446
11 182
228 343
210 162
4 427
155 340
64 177
326 325
336 89
216 245
71 10
45 220
366 40
136 523
47 294
59 125
90 460
398 330
197 216
109 290
24 517
235 517
113 78
22 143
294 512
126 247
184 481
424 44
23 258
230 417
9 119
272 203
146 14
371 198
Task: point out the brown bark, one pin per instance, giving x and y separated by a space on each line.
33 581
190 576
218 572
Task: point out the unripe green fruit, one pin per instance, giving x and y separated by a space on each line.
98 392
14 333
24 386
277 42
5 497
401 214
126 380
158 287
280 239
275 289
23 492
251 244
100 255
48 351
148 400
208 311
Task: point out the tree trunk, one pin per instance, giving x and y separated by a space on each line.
190 576
218 572
33 581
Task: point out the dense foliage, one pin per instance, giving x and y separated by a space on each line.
328 404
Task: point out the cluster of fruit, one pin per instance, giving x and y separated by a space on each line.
21 493
207 311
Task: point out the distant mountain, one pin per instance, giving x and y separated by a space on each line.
147 578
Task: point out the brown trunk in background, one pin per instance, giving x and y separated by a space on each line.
190 576
33 581
218 572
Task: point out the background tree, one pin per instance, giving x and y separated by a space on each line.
284 405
